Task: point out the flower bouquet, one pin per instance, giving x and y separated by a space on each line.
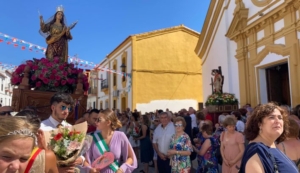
68 143
135 133
50 75
221 99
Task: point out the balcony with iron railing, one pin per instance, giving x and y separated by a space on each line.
104 84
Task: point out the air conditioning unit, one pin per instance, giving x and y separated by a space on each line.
116 93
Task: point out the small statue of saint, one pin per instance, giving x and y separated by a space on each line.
217 81
57 35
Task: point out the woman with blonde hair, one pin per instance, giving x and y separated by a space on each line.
17 140
110 140
41 160
291 145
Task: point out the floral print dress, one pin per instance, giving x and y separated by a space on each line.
179 163
210 161
201 140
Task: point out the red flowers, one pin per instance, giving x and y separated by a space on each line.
50 75
58 136
71 133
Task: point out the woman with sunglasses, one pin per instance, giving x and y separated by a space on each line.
111 140
180 148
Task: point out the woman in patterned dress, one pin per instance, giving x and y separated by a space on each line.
208 150
180 148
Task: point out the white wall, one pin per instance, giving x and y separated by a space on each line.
253 10
120 88
221 53
102 75
172 105
90 102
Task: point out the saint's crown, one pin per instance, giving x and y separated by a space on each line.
60 8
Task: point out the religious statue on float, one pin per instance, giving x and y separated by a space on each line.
57 35
217 81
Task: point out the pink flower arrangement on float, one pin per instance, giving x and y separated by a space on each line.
50 75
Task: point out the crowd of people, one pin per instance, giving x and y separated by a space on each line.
260 139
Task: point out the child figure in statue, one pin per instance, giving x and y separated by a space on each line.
57 35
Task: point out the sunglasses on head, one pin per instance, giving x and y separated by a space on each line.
63 108
178 125
5 112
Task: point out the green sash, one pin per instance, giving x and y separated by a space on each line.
102 147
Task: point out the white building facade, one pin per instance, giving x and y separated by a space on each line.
256 43
114 89
92 92
5 88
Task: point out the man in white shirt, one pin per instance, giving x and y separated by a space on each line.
61 105
193 117
161 141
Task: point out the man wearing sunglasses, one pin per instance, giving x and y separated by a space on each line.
61 106
5 111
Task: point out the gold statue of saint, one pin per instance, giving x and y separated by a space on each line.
57 35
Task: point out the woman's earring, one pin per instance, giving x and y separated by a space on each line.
260 130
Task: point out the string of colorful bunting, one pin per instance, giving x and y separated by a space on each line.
25 45
7 66
16 42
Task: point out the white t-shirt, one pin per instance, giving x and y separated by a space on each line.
240 126
194 120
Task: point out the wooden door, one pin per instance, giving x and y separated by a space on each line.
278 87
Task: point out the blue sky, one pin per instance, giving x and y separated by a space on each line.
102 26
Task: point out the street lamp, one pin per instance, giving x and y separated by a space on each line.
123 67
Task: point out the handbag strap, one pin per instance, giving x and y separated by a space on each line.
103 147
274 162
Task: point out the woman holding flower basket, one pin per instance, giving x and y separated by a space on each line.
134 132
109 147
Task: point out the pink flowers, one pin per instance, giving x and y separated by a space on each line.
50 75
73 146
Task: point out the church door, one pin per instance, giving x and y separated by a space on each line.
278 85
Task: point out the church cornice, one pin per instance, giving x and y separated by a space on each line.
239 21
239 28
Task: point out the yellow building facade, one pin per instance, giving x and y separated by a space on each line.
164 71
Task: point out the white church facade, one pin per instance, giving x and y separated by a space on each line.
256 44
